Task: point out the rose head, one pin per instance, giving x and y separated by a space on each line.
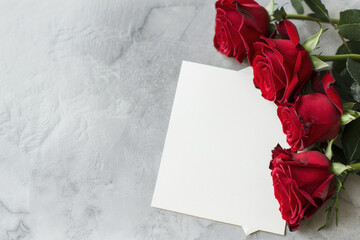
238 24
312 118
281 66
326 86
302 183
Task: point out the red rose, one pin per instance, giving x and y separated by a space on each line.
302 183
312 118
238 24
281 66
326 86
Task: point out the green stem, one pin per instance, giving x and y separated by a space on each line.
337 57
341 37
309 18
355 166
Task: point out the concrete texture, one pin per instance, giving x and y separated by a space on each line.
85 99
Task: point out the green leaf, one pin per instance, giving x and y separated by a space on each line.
348 88
311 43
351 141
279 14
348 106
349 24
353 68
297 4
319 9
270 7
318 64
338 155
354 46
349 16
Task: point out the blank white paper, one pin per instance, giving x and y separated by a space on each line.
215 163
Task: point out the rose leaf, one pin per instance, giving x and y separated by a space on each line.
349 24
319 9
348 105
297 4
351 141
353 68
338 155
348 88
279 14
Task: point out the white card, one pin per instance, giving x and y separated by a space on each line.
215 163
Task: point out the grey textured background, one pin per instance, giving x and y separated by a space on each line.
86 89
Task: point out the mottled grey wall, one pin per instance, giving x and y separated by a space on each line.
86 89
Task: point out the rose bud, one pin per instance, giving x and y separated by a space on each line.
238 24
313 118
281 66
302 183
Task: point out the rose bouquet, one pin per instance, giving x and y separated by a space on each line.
318 103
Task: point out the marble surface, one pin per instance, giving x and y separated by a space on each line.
85 98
